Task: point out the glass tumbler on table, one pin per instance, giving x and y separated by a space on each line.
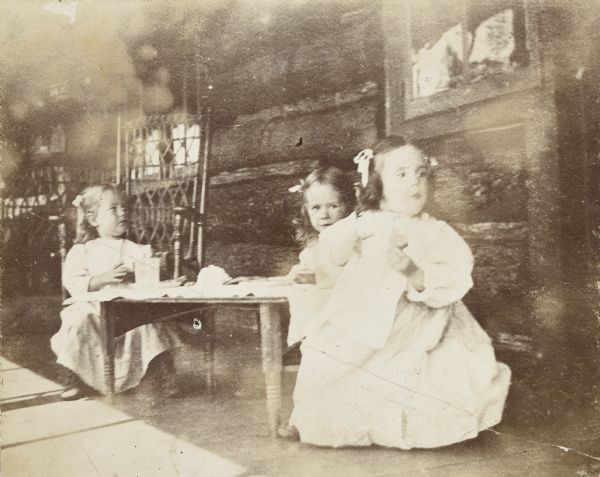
147 272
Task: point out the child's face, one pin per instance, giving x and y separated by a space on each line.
110 218
405 175
324 206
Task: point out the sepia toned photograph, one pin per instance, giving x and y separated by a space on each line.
300 238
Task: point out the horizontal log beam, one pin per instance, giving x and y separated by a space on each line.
494 231
321 103
290 168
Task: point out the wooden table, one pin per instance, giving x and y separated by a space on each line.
269 308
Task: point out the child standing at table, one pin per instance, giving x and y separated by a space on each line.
398 360
100 259
328 196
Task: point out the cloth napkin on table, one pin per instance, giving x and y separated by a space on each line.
210 278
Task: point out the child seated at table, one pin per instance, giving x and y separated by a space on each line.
328 196
101 258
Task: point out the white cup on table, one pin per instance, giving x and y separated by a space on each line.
147 272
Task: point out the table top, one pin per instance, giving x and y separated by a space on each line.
237 300
240 294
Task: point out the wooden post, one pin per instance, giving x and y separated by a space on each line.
118 149
203 190
127 174
584 143
184 88
62 245
178 211
190 250
201 101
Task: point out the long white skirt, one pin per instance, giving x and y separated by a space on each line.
435 382
77 346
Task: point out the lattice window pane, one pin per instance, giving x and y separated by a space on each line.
162 155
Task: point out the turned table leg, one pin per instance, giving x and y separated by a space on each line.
270 334
107 327
208 349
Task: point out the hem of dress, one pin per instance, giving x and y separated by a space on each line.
69 365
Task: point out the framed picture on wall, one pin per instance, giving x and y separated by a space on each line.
448 53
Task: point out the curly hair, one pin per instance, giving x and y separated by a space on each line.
369 196
341 182
88 202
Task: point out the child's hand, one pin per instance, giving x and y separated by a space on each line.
398 260
110 277
173 282
398 240
301 275
304 278
402 263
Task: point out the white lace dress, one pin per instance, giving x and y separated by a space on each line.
391 365
77 344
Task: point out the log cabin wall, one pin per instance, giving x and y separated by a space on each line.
250 209
326 89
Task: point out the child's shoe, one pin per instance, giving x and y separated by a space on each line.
72 394
288 432
74 389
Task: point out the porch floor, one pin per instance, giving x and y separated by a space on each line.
226 434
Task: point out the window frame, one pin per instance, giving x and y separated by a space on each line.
490 86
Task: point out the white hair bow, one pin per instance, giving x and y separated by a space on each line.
362 160
77 201
298 187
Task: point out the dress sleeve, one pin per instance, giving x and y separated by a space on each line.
447 263
335 248
75 274
336 243
307 259
133 251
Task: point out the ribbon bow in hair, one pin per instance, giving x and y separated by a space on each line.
77 201
298 187
362 160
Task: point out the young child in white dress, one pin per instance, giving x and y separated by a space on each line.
398 360
328 196
100 259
